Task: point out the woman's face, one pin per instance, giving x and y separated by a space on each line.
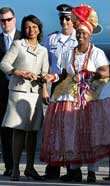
31 30
82 36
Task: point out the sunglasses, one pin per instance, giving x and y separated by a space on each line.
65 17
8 19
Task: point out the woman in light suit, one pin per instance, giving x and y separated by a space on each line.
24 61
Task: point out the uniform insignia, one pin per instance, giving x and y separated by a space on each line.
56 32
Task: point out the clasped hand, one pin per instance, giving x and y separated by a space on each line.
76 78
49 77
25 74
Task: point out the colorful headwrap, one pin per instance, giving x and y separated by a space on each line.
84 17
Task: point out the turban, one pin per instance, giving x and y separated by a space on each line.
84 17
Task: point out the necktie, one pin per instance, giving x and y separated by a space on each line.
8 42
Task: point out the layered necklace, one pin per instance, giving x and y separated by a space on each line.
85 63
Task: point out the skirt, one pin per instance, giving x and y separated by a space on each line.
24 111
76 136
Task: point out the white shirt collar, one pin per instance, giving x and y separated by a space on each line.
11 34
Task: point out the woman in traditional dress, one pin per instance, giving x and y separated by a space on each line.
76 126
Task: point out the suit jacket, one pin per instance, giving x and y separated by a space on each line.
3 80
3 49
22 57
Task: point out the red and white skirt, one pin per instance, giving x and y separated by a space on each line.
73 135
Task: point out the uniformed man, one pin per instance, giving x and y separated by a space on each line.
57 44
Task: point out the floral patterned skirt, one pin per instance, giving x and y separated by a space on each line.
71 135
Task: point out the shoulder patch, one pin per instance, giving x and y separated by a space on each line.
56 32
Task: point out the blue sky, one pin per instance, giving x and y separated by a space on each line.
46 11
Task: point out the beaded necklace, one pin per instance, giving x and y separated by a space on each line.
86 57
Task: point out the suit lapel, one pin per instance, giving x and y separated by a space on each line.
29 49
17 35
36 51
2 43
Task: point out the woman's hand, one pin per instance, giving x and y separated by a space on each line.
24 74
102 72
76 78
45 95
49 77
30 75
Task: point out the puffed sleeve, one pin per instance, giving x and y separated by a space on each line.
100 59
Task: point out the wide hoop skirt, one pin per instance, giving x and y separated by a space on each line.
73 135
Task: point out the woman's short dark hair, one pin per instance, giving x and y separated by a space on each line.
34 20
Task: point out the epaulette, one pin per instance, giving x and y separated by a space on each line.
56 32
